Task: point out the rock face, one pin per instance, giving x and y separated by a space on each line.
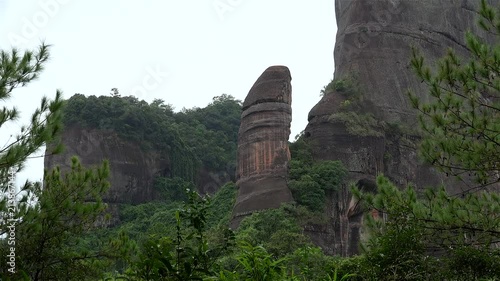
132 169
263 152
372 53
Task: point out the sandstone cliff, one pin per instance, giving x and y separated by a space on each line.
263 152
365 119
132 168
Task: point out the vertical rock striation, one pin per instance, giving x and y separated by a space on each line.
263 152
132 170
372 53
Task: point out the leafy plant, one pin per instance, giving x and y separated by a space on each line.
257 264
187 256
310 184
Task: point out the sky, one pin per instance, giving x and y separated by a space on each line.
182 51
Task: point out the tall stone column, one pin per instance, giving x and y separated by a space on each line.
263 153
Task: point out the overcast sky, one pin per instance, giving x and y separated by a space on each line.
182 51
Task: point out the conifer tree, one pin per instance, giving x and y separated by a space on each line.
461 137
461 125
18 70
41 224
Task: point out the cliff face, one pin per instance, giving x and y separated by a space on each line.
372 62
263 152
133 170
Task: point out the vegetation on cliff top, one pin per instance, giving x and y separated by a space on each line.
191 138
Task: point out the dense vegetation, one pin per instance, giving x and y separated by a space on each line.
424 236
193 138
311 182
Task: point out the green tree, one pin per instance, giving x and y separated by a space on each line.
311 183
18 70
46 220
277 230
461 136
418 226
255 263
187 255
462 124
48 230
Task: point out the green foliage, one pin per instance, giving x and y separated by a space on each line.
310 184
346 86
172 189
356 267
462 123
458 228
49 220
144 220
19 70
300 149
362 125
329 88
277 230
309 193
221 205
334 276
187 255
309 263
256 264
270 251
200 136
461 135
146 224
470 263
49 242
212 132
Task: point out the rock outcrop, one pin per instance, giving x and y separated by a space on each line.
132 169
372 54
263 152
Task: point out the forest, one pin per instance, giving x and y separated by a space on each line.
52 231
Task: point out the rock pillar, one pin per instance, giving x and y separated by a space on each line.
263 152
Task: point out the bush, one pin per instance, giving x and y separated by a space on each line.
277 230
310 184
346 86
469 263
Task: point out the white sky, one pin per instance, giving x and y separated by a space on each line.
197 51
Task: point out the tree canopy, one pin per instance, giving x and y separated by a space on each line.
191 138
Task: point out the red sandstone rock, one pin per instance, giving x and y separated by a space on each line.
263 152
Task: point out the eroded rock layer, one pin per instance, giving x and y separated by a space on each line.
372 62
132 170
263 152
